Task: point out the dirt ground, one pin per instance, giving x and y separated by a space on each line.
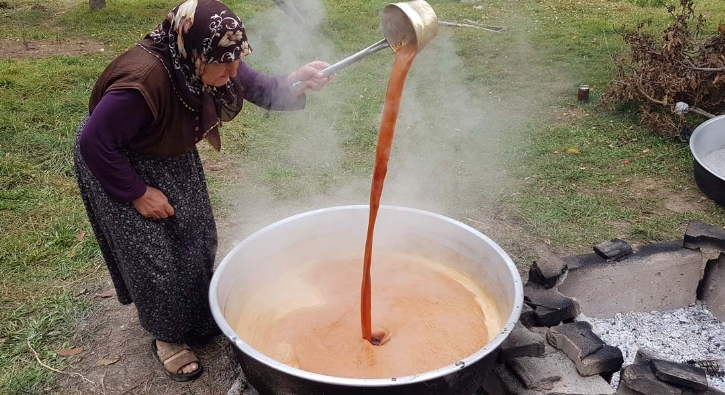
111 331
15 49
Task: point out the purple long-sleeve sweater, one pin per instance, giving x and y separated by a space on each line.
121 114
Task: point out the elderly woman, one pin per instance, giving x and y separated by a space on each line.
140 175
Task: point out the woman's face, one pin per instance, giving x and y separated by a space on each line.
217 74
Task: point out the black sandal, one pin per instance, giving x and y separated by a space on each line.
175 356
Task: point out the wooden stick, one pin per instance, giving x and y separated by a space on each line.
501 28
693 109
691 66
702 112
455 24
37 358
650 98
708 68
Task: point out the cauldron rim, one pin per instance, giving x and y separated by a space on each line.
378 382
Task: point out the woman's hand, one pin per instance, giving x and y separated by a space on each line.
310 73
153 204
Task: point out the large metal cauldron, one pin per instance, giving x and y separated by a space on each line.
706 139
332 230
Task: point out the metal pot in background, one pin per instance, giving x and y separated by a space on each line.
329 231
706 139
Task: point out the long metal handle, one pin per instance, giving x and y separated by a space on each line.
300 85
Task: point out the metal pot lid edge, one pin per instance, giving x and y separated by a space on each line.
693 139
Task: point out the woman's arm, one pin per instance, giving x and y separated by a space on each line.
116 119
274 93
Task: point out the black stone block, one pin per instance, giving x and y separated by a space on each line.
576 262
576 340
583 347
640 378
550 306
607 360
534 373
613 249
607 376
521 342
645 355
681 374
548 271
528 317
711 391
700 234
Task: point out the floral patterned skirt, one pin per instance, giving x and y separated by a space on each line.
162 266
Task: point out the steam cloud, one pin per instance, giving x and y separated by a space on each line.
446 153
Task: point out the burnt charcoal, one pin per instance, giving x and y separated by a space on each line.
681 374
700 234
548 271
713 367
613 249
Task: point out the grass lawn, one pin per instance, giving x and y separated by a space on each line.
490 130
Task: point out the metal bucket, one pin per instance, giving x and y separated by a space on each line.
332 230
706 139
409 21
402 23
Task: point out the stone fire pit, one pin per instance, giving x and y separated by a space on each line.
644 320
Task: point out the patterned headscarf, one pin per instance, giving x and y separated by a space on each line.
195 33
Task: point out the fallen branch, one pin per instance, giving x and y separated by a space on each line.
494 29
702 112
37 358
693 109
688 64
708 68
650 98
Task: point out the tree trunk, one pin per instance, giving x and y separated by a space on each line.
97 4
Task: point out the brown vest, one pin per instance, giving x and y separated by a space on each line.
172 131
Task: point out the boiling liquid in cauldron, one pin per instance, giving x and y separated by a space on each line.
309 318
